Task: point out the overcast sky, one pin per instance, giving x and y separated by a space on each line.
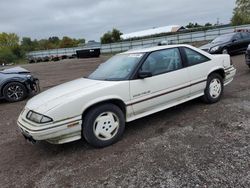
89 19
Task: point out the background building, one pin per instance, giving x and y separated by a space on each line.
153 31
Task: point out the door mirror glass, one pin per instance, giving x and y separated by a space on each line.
144 74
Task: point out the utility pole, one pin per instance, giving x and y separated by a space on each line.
218 21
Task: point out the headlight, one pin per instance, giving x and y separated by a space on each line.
38 118
214 49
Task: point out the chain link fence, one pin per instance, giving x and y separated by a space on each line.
178 38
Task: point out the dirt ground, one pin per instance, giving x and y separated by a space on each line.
191 145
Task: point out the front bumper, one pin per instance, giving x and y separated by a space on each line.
229 75
33 85
57 132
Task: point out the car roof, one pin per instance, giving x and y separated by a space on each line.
155 48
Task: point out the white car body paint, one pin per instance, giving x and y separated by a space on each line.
66 103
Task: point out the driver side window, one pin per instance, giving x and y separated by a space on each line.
237 37
163 61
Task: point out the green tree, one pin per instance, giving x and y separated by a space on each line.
10 50
106 38
208 24
193 25
111 36
54 42
27 44
68 42
8 40
18 51
241 14
81 41
44 44
116 35
7 56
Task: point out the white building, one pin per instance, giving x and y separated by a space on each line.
153 31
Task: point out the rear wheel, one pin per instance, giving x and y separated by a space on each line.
103 125
214 89
14 92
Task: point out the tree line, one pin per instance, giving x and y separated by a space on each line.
12 49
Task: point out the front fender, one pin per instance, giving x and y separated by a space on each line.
76 107
100 100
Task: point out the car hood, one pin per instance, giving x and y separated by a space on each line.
15 70
58 95
211 45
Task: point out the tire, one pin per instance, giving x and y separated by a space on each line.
103 125
14 92
225 51
214 89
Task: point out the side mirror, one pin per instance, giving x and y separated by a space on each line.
144 74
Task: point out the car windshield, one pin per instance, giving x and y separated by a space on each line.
119 67
223 38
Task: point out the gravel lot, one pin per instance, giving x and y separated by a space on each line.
191 145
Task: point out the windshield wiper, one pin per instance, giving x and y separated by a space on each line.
113 79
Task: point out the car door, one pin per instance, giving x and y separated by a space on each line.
237 43
245 40
198 66
169 82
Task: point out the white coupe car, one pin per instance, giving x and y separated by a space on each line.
128 86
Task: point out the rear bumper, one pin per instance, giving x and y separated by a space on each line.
56 133
229 75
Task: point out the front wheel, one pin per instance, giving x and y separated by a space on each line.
103 125
225 51
14 92
214 89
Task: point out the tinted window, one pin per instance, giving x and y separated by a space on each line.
237 36
245 35
163 61
223 38
194 57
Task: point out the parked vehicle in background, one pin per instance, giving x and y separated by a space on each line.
128 86
248 56
91 49
228 44
88 53
16 84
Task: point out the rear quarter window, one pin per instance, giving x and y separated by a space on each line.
194 58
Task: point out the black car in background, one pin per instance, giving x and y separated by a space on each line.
248 56
228 44
16 84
